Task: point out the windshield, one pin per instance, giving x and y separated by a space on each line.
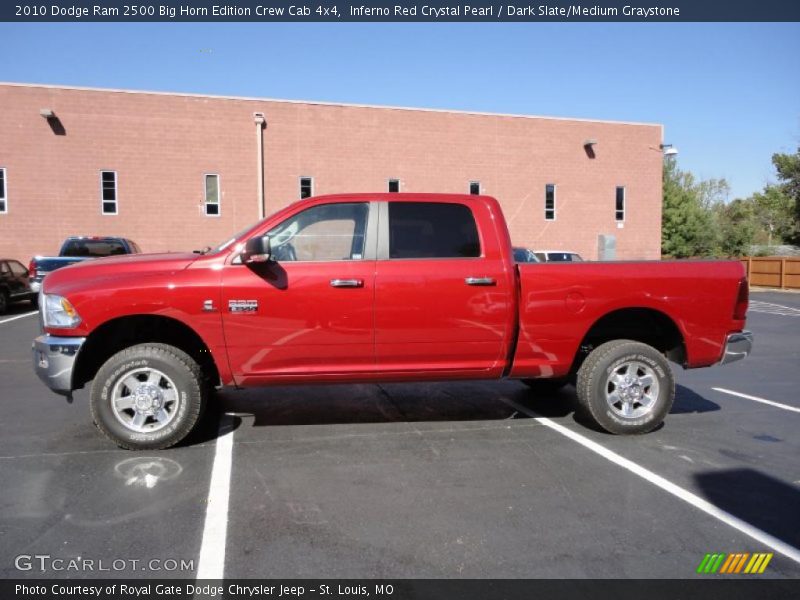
233 238
563 257
246 232
523 255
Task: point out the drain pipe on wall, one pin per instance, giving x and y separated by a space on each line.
260 122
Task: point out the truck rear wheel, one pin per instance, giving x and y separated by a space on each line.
625 387
148 396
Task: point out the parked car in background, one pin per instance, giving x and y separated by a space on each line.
557 256
14 284
77 249
523 255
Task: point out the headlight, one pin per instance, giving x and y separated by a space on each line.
59 313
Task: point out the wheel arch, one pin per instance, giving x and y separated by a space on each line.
642 324
122 332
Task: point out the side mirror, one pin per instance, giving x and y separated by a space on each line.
257 250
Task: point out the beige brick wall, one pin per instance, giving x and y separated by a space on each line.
161 145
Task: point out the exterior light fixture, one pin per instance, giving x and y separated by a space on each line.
588 147
669 150
47 113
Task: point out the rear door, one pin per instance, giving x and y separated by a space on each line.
442 293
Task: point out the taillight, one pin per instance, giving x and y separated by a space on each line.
32 268
742 300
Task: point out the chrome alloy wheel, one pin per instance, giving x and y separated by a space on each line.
145 400
632 389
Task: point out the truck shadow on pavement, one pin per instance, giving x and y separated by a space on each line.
689 401
383 403
341 404
759 499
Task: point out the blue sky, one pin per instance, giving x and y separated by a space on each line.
727 94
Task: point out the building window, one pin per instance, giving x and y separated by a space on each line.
3 197
394 186
212 195
619 211
550 202
475 188
306 187
108 192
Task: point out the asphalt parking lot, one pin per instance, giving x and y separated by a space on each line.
460 480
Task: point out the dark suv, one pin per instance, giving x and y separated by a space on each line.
14 284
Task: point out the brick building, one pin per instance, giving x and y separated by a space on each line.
182 171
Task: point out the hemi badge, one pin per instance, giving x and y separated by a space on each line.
208 306
243 306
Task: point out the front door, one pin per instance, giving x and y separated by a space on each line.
308 312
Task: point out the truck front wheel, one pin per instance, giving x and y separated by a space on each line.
625 387
148 396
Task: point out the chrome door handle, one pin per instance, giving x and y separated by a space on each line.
480 281
351 283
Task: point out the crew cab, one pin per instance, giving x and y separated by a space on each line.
374 288
76 249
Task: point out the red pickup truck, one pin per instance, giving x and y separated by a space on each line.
378 287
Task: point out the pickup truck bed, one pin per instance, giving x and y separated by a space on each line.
379 287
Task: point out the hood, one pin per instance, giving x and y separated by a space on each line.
104 270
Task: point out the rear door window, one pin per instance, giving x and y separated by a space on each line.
17 268
432 230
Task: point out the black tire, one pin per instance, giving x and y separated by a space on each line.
35 301
172 368
603 378
3 302
545 386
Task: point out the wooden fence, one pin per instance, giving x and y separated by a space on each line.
773 271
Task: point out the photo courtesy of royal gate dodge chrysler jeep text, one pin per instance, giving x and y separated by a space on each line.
372 288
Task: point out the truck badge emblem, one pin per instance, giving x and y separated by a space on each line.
208 305
243 306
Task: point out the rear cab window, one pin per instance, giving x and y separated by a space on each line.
432 230
93 248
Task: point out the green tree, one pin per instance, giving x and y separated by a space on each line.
788 167
687 226
775 213
736 226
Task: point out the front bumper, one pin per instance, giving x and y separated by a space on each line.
54 360
737 346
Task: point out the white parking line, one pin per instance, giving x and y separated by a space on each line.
773 309
743 526
211 564
35 312
757 399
